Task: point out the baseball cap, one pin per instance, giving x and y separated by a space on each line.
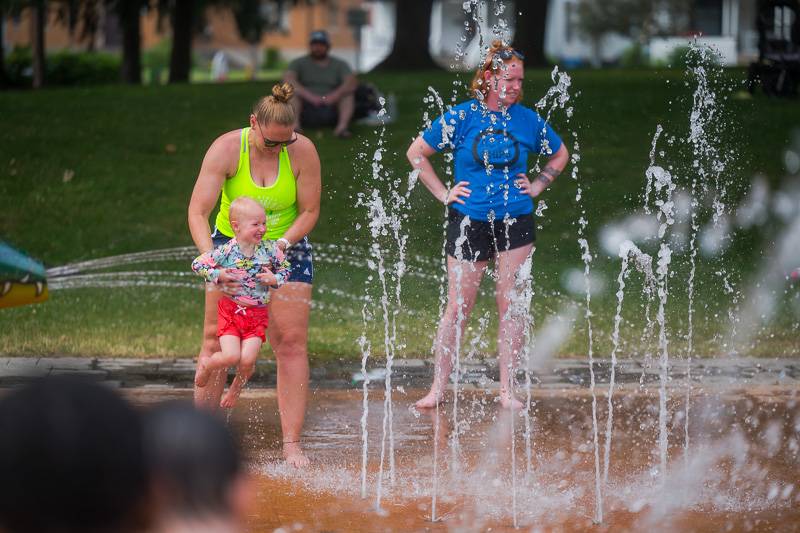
319 36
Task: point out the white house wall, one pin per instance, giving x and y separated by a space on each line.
662 48
449 43
564 42
737 44
378 37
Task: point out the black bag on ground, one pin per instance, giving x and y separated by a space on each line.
367 103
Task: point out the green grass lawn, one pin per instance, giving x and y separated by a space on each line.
93 172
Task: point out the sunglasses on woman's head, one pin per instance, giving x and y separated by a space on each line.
507 53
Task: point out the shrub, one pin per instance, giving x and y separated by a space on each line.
76 68
634 56
157 56
156 59
64 68
687 56
273 59
19 67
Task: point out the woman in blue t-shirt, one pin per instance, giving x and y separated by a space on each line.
490 207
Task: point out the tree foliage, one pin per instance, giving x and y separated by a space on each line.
256 17
249 20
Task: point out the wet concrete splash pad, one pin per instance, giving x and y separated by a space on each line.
741 472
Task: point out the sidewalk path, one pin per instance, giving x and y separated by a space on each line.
563 373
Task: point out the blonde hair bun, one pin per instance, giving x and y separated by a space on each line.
282 92
276 107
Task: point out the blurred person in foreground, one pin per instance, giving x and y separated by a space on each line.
71 460
200 484
326 88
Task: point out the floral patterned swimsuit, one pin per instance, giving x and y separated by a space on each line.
230 257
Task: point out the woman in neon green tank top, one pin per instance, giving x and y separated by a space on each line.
279 168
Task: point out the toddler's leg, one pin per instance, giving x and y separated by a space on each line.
247 365
229 356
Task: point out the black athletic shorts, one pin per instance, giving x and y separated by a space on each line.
318 116
482 240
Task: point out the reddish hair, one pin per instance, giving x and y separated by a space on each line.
495 64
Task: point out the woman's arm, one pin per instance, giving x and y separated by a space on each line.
418 154
215 168
555 165
309 190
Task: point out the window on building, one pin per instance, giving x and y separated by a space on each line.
783 21
276 15
570 21
333 15
707 17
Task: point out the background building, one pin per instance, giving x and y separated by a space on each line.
455 40
728 25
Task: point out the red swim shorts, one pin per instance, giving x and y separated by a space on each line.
241 321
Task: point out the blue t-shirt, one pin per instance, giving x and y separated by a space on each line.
490 148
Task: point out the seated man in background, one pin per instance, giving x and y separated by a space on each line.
325 86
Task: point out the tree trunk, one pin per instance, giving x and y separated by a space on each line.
254 49
87 18
411 49
129 19
529 33
597 51
3 78
38 17
180 60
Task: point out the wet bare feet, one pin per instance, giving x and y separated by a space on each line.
508 401
229 398
430 400
203 372
293 453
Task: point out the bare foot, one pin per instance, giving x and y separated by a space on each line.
228 400
509 402
203 372
236 388
430 400
294 456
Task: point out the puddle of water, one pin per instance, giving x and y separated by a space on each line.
742 475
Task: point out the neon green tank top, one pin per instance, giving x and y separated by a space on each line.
279 199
